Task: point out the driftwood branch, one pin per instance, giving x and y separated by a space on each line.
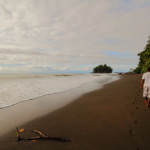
41 137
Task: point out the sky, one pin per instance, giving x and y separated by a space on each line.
72 36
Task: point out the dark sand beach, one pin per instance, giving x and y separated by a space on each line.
112 118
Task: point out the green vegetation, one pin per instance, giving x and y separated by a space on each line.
102 69
144 59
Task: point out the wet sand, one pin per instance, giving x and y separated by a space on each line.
114 117
23 112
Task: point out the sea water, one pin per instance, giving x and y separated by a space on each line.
16 88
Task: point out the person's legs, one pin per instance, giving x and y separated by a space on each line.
145 94
148 97
146 100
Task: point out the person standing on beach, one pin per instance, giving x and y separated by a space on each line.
146 82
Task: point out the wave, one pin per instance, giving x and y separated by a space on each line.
19 88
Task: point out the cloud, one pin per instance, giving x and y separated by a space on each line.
64 35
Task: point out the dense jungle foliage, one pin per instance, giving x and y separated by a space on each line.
144 59
102 69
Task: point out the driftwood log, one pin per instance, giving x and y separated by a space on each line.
40 137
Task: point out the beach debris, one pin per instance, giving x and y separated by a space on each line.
21 130
40 137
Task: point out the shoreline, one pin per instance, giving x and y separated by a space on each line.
31 87
29 110
114 117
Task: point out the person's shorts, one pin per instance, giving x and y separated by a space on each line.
146 92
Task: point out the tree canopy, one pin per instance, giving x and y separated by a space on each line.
144 60
102 69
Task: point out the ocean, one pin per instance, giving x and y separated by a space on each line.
41 94
16 88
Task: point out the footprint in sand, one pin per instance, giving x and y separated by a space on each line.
137 108
133 103
135 122
132 113
131 132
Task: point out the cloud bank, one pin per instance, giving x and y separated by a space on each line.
72 36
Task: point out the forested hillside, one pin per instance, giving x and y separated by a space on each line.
144 61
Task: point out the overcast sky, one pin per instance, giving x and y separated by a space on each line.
72 35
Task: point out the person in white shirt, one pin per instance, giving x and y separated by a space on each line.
146 84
